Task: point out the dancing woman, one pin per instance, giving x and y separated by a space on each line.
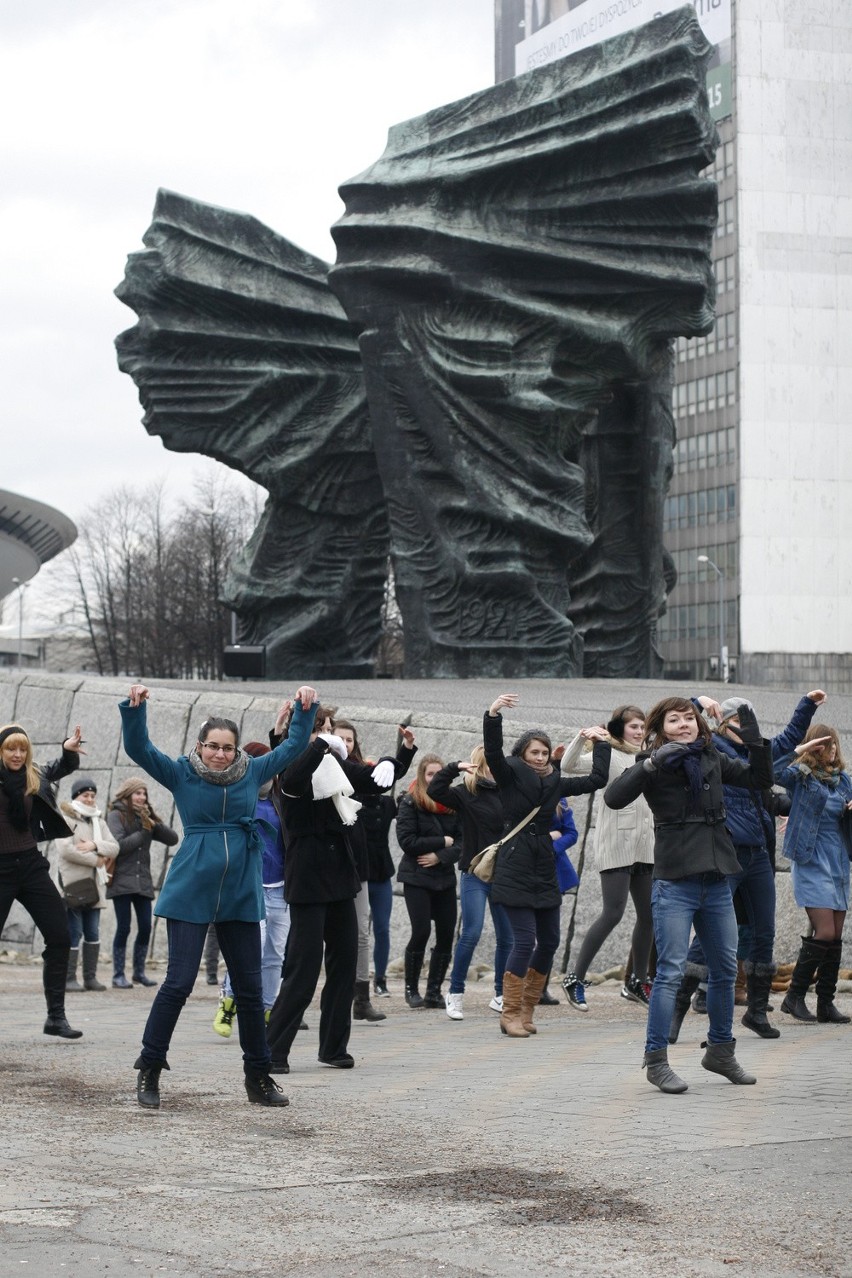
524 881
818 841
215 876
29 814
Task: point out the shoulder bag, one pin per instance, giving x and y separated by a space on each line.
482 865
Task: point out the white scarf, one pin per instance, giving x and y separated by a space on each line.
331 782
89 814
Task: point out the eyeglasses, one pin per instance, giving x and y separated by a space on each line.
215 748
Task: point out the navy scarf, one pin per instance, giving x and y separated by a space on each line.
690 761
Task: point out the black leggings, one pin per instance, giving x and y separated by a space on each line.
615 885
424 908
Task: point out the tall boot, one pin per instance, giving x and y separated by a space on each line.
71 982
119 980
91 950
439 961
826 986
719 1058
758 983
140 953
54 972
683 998
534 983
659 1072
741 996
510 1017
362 1008
810 956
413 964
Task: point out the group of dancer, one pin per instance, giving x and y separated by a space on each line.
285 850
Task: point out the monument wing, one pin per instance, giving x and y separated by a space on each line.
243 353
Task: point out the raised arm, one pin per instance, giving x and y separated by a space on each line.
785 743
137 744
492 736
442 790
278 760
627 787
598 777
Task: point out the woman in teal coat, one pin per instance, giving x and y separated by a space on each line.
215 877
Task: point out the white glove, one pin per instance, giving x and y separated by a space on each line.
384 774
337 744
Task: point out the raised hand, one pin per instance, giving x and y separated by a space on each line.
594 733
749 729
138 694
306 696
807 747
407 735
668 752
74 743
505 700
818 697
283 718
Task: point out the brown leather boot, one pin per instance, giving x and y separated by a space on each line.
510 1017
534 983
741 986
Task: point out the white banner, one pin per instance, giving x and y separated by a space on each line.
591 21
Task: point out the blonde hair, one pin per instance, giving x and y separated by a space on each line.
19 737
482 772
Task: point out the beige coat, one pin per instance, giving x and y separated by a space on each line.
74 864
625 836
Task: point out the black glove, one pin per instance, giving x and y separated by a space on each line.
749 729
670 750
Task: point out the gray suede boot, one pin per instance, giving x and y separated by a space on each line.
719 1058
660 1073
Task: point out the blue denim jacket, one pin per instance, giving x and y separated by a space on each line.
809 798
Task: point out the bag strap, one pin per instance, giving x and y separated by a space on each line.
518 827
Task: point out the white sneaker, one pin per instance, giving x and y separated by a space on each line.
454 1007
496 1003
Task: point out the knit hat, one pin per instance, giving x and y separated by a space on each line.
732 706
255 749
81 784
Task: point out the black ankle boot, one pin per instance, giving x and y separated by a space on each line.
688 986
262 1089
362 1008
439 961
758 984
413 966
58 1026
148 1083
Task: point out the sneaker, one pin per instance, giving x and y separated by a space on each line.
496 1003
454 1007
223 1021
576 991
634 990
380 987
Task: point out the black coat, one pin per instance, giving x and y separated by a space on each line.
375 819
132 874
358 835
46 821
321 863
419 831
481 810
525 872
686 842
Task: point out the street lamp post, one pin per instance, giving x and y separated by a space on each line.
720 608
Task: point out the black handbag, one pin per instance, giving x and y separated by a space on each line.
81 894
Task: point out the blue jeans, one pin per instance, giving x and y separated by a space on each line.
703 901
381 904
535 936
474 894
274 930
84 923
756 883
240 943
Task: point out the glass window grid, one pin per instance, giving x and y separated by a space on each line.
722 338
705 451
704 394
719 506
697 621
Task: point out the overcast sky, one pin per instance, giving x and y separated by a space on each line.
262 105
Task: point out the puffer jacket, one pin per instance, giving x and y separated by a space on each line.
419 831
481 810
749 823
75 864
809 797
132 876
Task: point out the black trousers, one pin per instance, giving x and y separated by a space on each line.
25 877
424 908
332 928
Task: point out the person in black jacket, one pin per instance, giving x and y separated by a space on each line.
29 814
482 823
681 776
134 825
429 835
525 874
321 884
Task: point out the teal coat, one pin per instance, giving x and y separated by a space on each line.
216 873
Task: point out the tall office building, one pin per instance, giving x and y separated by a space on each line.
758 519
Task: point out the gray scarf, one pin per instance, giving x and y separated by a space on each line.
234 772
